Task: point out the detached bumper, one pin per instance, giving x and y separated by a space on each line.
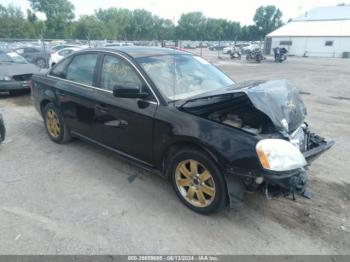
14 85
275 183
291 182
314 153
295 181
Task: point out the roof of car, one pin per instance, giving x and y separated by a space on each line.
75 48
138 51
22 47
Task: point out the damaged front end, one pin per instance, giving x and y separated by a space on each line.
274 113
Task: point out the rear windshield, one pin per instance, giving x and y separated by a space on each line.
11 57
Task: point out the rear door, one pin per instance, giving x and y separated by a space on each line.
75 91
125 124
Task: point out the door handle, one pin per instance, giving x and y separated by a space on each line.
122 123
116 123
102 108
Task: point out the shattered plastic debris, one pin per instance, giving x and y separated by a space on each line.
18 237
308 195
132 178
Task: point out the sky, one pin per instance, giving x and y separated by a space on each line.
241 11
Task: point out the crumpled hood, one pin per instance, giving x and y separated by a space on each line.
18 69
278 100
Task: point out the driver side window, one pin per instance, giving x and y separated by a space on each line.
116 72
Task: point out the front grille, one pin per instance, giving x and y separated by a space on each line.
25 77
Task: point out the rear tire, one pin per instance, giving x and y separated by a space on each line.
55 125
40 62
197 181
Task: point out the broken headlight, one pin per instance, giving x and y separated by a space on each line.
279 155
5 78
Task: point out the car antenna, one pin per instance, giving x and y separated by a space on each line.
174 72
174 63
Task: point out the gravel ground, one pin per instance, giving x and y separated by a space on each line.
77 199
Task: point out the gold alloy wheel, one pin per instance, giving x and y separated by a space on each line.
52 123
195 183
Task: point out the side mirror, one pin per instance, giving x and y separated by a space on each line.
129 91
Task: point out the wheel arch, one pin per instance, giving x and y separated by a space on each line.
176 145
43 103
48 96
166 170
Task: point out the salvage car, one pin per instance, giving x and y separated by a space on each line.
176 114
34 55
15 72
60 54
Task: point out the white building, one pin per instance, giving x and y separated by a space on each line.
321 32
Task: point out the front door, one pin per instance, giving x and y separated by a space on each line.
125 124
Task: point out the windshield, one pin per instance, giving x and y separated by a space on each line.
183 76
11 57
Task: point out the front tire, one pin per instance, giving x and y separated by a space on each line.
197 181
55 125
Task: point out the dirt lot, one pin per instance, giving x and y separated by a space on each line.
76 198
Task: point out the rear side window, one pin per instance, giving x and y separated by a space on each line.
82 69
31 50
65 52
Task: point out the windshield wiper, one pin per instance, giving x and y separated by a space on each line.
209 95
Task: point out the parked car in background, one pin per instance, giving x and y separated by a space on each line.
248 48
190 46
217 47
176 114
15 72
34 55
60 54
60 47
228 49
176 48
202 45
118 44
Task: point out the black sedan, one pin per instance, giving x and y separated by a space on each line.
174 113
15 72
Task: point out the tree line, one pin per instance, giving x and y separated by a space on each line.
124 24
